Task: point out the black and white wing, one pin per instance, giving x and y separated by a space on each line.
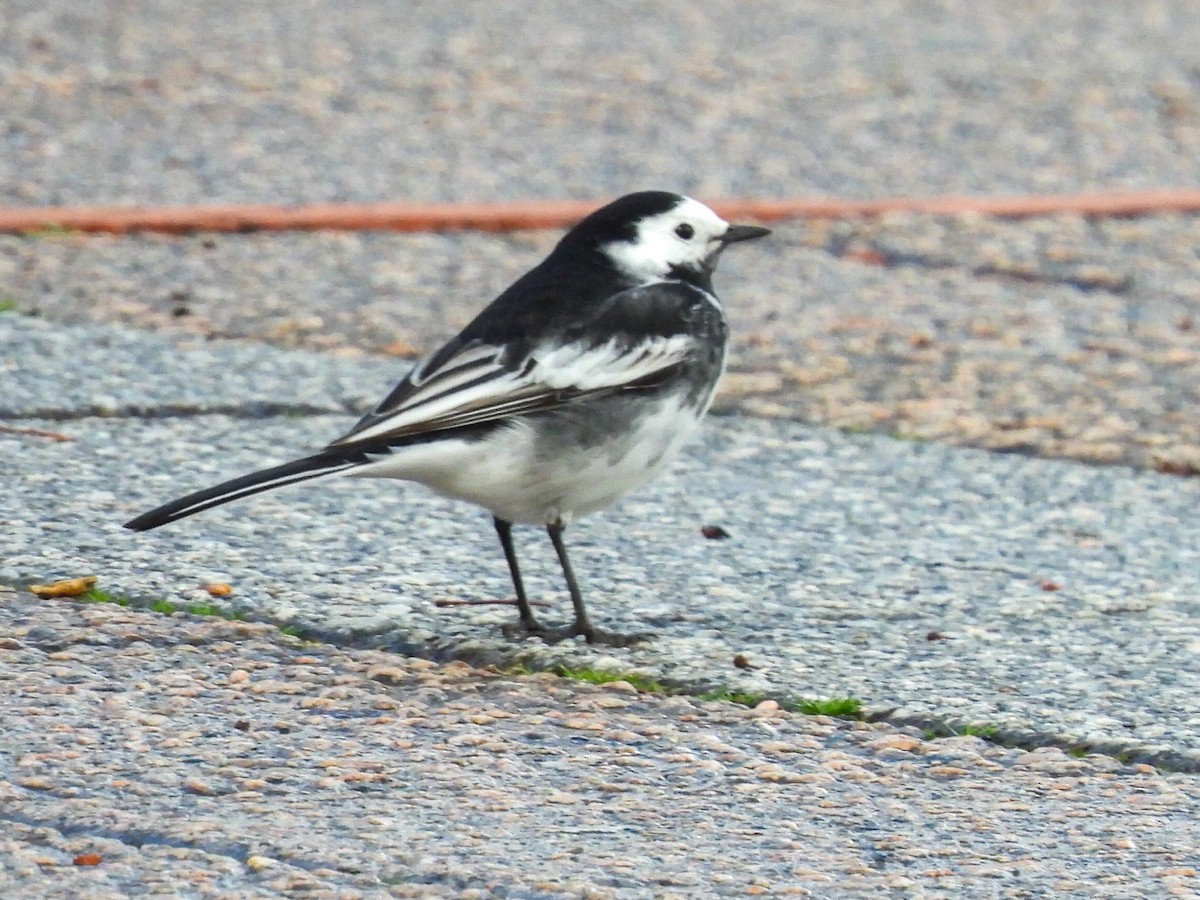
635 338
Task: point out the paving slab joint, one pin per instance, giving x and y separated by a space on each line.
254 409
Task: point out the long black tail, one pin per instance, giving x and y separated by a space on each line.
289 473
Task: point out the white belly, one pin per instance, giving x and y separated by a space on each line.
511 473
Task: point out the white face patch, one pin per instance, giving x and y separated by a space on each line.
682 237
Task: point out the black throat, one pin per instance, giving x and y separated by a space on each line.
701 278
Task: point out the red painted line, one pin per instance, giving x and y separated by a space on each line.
557 214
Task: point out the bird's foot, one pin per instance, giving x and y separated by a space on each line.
587 631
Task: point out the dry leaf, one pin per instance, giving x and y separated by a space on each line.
402 348
88 859
71 587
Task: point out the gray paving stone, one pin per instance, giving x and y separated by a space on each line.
1061 599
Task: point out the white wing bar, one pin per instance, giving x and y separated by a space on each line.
473 386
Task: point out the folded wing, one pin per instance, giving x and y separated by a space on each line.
471 382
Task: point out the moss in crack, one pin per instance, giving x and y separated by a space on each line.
944 730
839 707
987 732
98 596
167 608
587 675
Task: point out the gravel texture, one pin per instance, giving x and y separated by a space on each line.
1049 601
69 372
226 101
1056 337
151 755
1052 600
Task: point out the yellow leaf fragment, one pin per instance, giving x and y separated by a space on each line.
70 587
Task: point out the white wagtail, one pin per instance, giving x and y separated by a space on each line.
576 385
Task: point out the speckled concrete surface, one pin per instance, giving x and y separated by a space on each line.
1053 337
1054 601
147 755
171 102
1062 597
1057 337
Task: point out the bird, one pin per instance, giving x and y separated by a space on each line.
574 386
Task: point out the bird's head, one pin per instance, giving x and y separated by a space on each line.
656 235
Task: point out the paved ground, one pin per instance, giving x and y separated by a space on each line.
1058 337
847 551
1055 337
239 763
169 102
1045 602
1052 601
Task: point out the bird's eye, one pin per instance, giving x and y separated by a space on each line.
685 231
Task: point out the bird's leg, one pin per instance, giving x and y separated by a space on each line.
528 621
529 624
582 624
